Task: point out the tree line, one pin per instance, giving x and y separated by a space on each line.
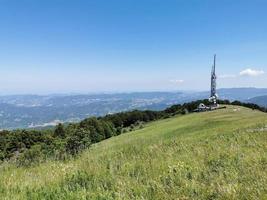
26 147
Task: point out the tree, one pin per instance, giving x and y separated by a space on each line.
59 131
77 141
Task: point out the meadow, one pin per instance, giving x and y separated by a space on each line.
211 155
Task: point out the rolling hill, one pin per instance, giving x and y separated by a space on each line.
210 155
260 100
241 94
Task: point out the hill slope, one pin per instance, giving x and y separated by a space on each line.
212 155
260 100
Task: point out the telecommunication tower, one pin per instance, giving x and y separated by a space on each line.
213 95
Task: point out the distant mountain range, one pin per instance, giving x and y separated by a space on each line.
241 94
34 111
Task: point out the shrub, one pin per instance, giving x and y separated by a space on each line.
59 131
30 156
79 140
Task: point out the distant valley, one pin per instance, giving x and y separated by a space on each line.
34 111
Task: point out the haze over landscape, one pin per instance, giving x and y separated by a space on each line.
71 53
125 99
35 111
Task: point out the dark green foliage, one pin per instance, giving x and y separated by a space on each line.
59 131
125 119
174 109
30 146
77 141
109 129
95 128
20 140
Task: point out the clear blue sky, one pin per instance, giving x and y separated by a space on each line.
58 46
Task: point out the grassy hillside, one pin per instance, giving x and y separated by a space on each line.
212 155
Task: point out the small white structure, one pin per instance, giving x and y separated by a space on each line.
202 107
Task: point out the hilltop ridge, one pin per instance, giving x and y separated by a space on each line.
210 155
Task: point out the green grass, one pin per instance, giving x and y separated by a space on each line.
212 155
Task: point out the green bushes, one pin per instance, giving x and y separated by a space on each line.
59 131
67 140
80 139
30 156
215 155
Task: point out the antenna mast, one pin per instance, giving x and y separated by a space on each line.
213 95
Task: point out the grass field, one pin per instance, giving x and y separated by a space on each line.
212 155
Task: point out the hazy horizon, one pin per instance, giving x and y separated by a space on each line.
121 92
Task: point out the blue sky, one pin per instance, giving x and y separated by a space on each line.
59 46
